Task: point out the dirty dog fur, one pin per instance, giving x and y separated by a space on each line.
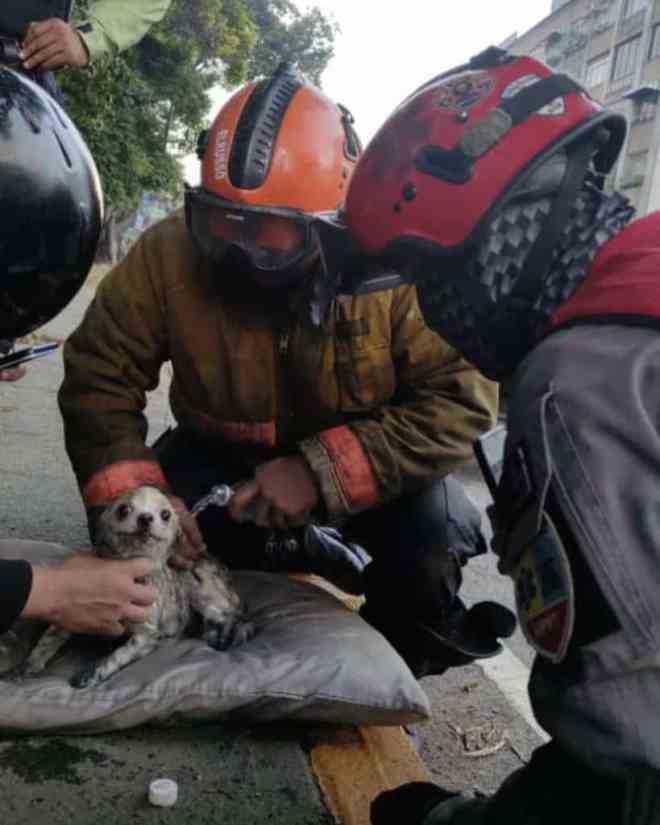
143 523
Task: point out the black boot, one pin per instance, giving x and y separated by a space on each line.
430 647
408 804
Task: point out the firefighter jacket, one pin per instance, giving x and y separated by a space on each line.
377 403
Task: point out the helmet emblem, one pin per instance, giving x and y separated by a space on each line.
463 91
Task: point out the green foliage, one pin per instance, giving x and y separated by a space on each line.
286 33
124 129
141 110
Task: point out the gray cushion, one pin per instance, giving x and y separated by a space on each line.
312 659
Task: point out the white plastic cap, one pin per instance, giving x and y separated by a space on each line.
163 792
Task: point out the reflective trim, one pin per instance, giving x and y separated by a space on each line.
351 467
118 478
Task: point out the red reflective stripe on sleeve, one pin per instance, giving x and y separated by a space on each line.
352 467
261 433
117 478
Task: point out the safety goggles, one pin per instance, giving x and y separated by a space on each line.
273 238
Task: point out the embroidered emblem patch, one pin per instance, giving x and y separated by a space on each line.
545 595
463 91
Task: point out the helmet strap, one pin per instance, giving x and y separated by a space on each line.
526 292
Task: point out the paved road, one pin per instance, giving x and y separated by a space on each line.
476 737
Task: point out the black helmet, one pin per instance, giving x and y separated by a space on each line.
50 207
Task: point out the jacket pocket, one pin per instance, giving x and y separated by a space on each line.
365 374
545 455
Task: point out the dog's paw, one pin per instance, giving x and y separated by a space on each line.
86 677
223 635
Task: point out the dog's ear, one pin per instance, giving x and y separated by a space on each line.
179 540
176 557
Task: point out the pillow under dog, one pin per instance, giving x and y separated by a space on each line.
312 659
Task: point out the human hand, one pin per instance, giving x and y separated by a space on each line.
12 374
86 594
191 544
282 494
52 44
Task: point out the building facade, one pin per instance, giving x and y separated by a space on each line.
612 47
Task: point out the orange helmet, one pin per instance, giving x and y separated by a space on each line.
279 152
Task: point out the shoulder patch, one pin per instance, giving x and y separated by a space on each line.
545 596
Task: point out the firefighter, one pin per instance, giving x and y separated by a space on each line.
485 187
352 415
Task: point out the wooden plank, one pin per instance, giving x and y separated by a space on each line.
353 765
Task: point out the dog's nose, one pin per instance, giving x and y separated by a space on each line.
145 520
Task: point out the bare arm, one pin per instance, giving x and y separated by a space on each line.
85 594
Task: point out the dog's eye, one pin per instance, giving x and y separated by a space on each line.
123 511
166 515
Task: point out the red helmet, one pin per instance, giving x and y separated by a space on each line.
481 187
278 153
447 157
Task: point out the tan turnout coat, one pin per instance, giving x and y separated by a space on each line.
377 403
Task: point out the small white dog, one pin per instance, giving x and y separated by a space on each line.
143 523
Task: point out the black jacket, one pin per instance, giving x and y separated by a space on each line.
15 586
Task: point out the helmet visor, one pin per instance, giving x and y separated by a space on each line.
273 239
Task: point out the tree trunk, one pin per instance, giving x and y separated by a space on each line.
109 243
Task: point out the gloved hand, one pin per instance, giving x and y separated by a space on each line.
408 804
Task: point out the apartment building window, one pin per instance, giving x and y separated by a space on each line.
626 58
597 70
631 7
654 51
635 169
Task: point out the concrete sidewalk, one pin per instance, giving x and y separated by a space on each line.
475 739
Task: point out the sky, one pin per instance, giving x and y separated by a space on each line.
387 48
